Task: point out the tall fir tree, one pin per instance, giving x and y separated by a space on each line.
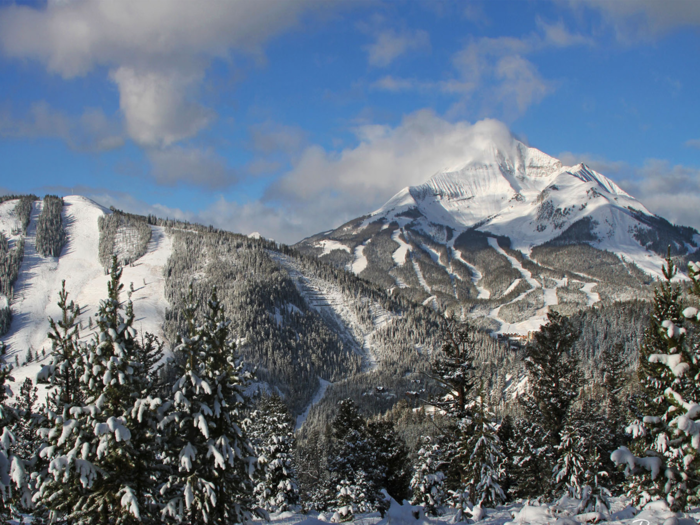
212 459
530 456
428 481
481 460
271 431
94 471
15 488
553 375
663 462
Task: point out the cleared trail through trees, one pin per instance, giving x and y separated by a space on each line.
337 309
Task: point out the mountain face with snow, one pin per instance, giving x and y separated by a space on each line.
506 236
308 328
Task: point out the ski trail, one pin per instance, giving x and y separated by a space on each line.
337 310
493 242
322 387
421 279
360 262
593 297
399 255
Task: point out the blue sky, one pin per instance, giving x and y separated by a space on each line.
289 118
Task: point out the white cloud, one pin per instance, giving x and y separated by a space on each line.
693 143
634 20
327 188
495 72
91 131
157 51
201 167
156 106
390 45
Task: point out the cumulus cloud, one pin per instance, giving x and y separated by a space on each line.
201 167
156 105
91 131
157 52
633 20
326 188
495 72
390 45
693 143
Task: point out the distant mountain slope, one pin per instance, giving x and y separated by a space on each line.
308 327
508 236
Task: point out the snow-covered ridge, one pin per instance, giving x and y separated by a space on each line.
40 279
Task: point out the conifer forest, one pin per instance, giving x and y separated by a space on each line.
220 421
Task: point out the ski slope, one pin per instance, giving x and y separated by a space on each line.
40 279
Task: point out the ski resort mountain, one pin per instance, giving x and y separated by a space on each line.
305 326
506 236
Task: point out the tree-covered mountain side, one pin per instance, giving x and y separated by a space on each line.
315 333
508 236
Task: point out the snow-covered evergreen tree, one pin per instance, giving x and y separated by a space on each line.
271 430
354 471
66 363
391 455
532 455
553 375
481 459
428 481
15 488
94 472
664 461
211 457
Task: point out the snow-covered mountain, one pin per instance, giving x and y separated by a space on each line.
512 228
307 327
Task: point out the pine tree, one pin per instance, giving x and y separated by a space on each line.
453 369
663 461
211 457
531 455
481 459
14 476
94 472
353 471
391 455
271 432
428 480
553 375
66 365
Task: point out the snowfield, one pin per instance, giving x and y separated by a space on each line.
655 513
40 278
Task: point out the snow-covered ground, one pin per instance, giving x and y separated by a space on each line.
622 513
360 262
399 254
40 278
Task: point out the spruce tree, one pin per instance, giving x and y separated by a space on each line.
481 459
428 479
211 457
94 472
553 375
14 476
663 461
354 474
271 432
532 456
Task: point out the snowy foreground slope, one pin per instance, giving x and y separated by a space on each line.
509 227
40 278
656 513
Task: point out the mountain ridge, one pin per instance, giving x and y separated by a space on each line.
439 241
